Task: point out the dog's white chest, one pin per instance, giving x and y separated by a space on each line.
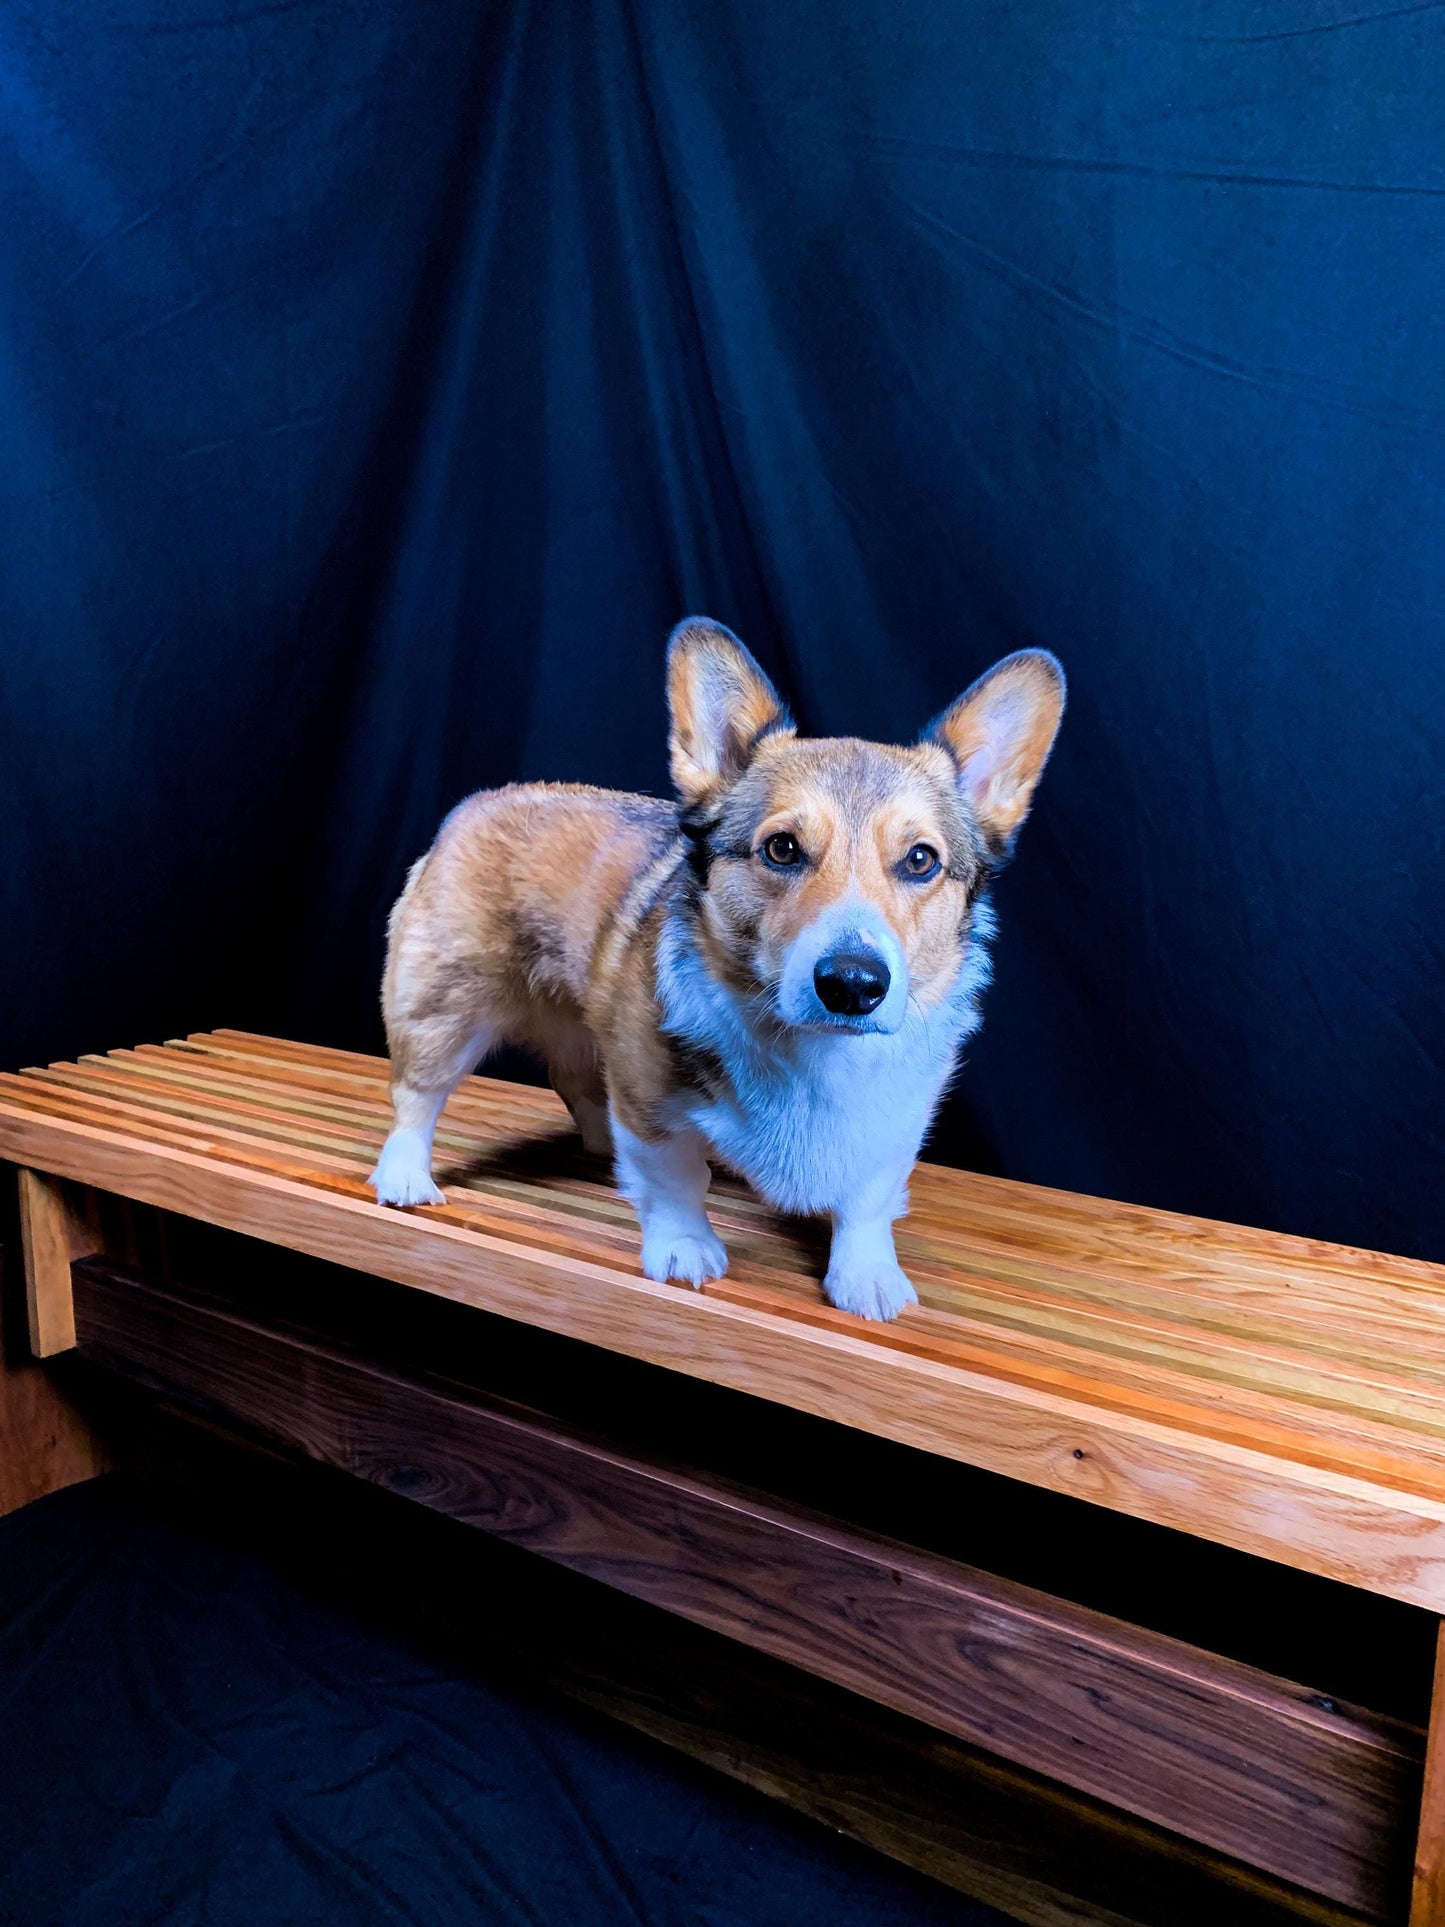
818 1128
816 1122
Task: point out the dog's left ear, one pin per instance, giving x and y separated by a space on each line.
999 734
720 704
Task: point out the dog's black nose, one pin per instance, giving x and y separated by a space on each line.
850 983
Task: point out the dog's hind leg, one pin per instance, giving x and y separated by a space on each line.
429 1058
575 1071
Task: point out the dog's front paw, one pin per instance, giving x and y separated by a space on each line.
875 1289
692 1257
403 1174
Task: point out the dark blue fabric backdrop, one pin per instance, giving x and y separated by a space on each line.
380 382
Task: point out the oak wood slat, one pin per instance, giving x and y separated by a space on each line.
1316 1793
953 1248
1272 1394
540 1224
1014 1293
1261 1416
1259 1409
1014 1288
155 1058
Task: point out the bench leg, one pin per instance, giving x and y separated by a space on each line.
59 1223
1427 1902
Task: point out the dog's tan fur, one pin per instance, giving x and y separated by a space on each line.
501 928
540 913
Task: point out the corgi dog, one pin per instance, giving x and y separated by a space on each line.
777 971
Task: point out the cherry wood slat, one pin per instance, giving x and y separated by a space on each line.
1273 1394
1367 1445
1363 1446
958 1243
1027 1353
1311 1791
1144 1388
929 1233
1011 1286
1033 1216
1022 1313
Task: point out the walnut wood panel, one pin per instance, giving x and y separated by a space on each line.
1273 1394
1310 1790
1043 1854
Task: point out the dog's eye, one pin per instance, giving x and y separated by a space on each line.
782 850
922 861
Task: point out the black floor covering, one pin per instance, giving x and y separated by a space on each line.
195 1732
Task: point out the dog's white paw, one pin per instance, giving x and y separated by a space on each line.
403 1174
692 1257
875 1289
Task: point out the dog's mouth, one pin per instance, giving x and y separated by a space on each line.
818 1022
826 1024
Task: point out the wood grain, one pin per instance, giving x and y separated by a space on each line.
1278 1395
46 1442
1427 1899
1046 1857
58 1224
1310 1790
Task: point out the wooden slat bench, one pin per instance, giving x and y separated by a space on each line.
1279 1397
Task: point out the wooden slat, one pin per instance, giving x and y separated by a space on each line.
1261 1407
1270 1393
1309 1790
1343 1527
1224 1399
1266 1413
761 1257
956 1234
1041 1853
372 1120
1208 1263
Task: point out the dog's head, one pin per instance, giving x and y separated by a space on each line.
837 878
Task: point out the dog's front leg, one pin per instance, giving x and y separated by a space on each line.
666 1183
863 1274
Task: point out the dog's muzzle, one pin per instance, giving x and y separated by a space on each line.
851 983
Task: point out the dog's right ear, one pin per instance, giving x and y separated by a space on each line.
999 734
720 705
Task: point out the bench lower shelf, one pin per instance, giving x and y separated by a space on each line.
1314 1792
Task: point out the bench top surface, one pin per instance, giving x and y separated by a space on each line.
1272 1393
